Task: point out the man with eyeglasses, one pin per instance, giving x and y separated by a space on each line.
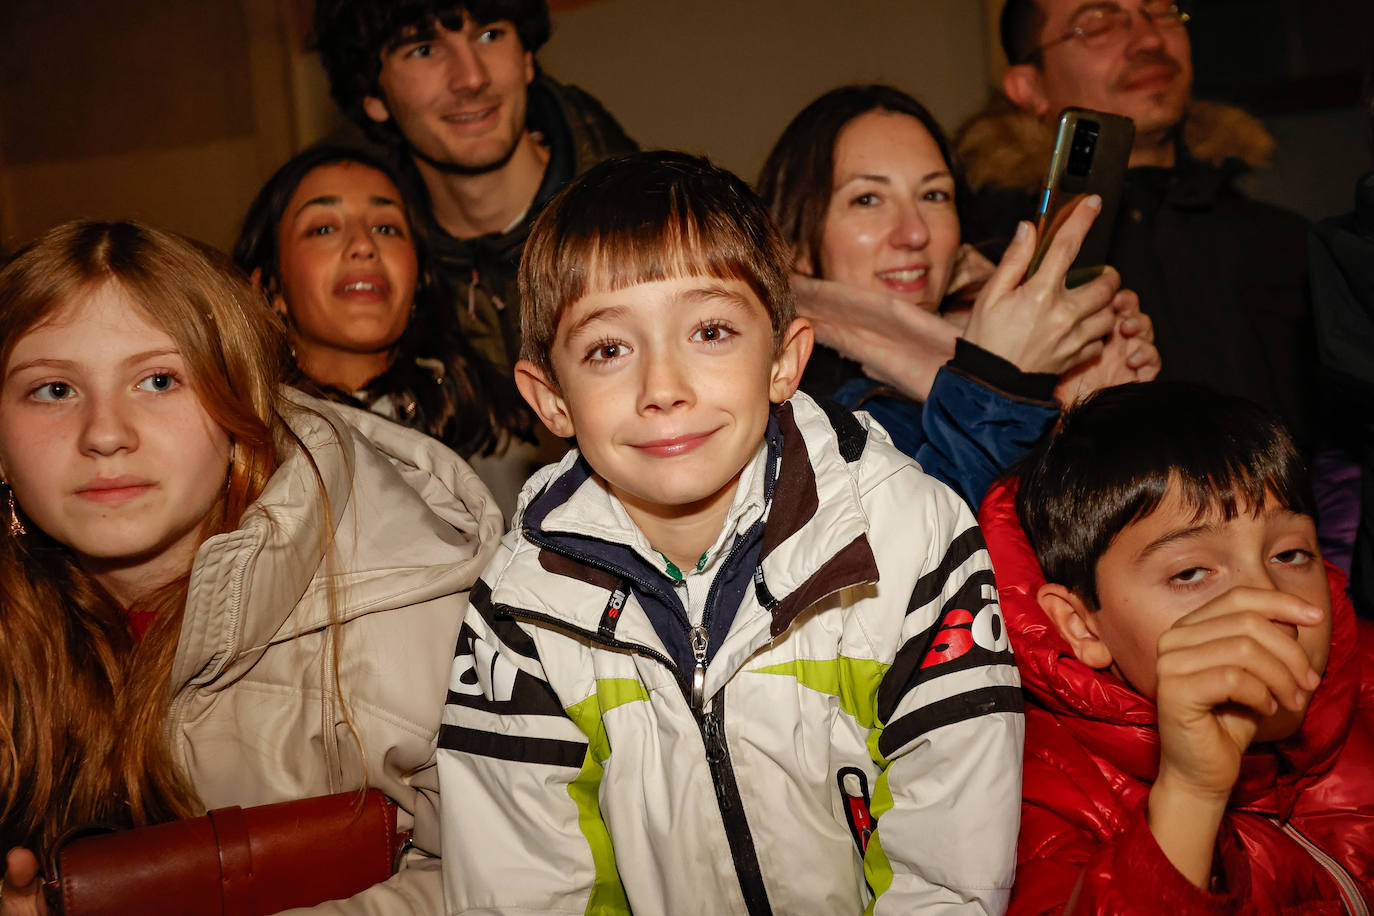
1221 275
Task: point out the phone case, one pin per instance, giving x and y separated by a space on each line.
1091 152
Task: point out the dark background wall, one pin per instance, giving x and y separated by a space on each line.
1299 66
176 110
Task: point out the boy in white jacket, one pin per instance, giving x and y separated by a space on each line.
738 654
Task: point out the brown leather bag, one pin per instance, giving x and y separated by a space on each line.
232 861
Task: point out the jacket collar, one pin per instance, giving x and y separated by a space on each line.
1117 724
1006 147
407 522
814 539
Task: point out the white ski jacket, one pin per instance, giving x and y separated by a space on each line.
857 744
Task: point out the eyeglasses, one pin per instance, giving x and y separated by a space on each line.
1102 24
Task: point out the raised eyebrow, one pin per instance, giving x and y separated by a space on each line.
1178 534
714 293
1084 7
324 200
606 313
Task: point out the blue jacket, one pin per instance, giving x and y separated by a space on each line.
965 435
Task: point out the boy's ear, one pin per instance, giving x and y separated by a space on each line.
1021 84
1074 621
790 362
544 398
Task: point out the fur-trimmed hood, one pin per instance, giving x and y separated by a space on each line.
1005 146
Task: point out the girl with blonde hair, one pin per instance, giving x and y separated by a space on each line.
213 591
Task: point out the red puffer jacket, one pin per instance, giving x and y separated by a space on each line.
1298 837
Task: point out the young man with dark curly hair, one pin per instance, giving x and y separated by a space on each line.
454 90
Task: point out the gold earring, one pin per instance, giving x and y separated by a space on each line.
16 526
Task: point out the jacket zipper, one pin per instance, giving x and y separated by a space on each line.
712 727
1350 892
737 832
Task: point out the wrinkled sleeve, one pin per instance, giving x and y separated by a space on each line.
522 826
1066 866
973 431
417 888
949 720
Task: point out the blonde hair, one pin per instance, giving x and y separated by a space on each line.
82 701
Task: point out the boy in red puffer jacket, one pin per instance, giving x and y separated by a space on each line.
1201 696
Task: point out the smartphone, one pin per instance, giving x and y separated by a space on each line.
1091 152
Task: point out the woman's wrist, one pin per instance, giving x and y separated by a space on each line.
1002 374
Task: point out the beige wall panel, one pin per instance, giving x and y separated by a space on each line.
196 190
173 111
725 76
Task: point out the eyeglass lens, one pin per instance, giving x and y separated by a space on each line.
1102 20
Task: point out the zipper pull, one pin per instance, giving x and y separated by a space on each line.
699 637
713 737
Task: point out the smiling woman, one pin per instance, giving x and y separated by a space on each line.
177 524
865 187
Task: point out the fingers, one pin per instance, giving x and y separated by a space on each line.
1270 604
1242 669
970 267
1253 631
1143 358
1069 239
1012 268
1213 686
1087 340
1126 304
21 868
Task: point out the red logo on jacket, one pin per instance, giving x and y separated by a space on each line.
952 640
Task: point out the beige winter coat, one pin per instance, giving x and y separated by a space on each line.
255 717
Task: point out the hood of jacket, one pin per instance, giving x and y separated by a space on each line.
1119 726
1006 147
375 515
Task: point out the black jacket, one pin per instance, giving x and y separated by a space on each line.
1222 276
1342 251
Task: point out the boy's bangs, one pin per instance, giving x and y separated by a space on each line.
1115 456
1273 474
626 257
644 218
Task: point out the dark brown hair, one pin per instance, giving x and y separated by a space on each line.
1021 24
470 408
799 176
647 217
1115 455
352 36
